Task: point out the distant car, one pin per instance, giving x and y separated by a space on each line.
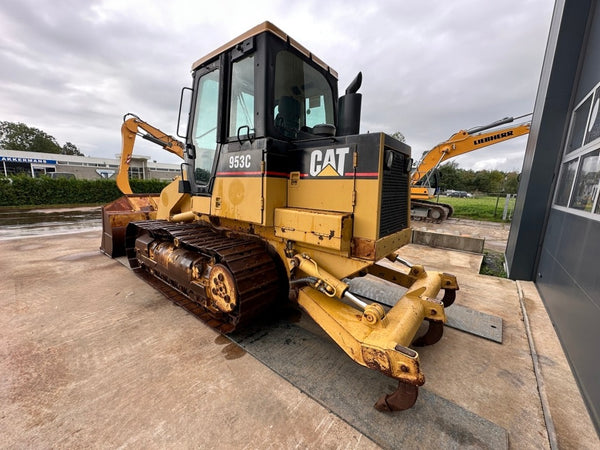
66 175
461 194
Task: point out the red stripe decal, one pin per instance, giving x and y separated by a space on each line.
367 174
246 174
242 174
286 175
348 175
278 174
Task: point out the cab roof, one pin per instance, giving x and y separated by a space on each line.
264 27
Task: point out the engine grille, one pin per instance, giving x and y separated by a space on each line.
394 196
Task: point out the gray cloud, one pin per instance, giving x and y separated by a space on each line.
430 68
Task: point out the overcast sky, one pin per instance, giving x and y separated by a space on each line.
73 68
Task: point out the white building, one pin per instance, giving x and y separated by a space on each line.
82 167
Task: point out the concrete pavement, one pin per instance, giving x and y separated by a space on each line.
90 356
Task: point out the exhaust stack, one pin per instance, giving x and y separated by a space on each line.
349 109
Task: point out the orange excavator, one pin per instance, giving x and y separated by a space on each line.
132 207
424 176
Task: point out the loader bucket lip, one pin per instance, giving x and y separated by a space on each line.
117 215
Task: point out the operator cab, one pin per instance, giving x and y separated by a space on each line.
268 137
259 88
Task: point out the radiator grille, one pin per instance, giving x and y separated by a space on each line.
394 197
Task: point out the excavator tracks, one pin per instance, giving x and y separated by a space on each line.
222 278
428 211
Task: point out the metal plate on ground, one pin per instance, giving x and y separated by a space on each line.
475 322
306 357
459 317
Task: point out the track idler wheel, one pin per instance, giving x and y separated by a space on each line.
436 214
222 289
402 398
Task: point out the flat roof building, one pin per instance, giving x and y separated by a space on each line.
83 167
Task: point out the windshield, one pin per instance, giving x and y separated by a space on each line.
303 97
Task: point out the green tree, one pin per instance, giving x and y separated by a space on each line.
488 181
450 177
467 180
21 137
71 149
18 136
484 181
511 183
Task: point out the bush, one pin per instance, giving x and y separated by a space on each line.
27 191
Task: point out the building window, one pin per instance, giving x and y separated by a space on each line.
579 179
586 185
136 173
567 175
593 129
15 168
579 121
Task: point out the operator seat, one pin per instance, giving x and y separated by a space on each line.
288 117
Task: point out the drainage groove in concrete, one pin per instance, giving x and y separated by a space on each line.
552 439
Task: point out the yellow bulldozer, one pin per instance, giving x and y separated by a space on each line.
280 197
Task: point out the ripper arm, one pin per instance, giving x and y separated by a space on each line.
371 336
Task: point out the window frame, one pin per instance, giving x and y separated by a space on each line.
190 162
578 154
302 131
252 133
275 46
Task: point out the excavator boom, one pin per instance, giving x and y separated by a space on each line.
459 143
466 141
132 207
131 127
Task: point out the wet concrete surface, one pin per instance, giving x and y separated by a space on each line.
17 223
93 357
90 356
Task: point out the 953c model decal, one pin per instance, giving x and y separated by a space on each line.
240 164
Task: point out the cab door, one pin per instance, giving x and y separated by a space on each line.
203 146
238 187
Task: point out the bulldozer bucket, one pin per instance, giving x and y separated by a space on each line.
116 216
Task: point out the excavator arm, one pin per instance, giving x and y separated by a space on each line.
466 141
134 126
132 207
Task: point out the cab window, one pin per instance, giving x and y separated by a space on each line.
204 132
241 108
303 97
